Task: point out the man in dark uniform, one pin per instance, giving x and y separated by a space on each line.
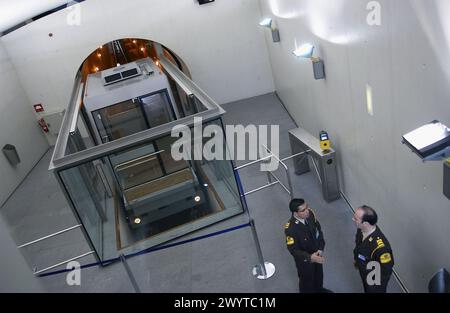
304 240
372 246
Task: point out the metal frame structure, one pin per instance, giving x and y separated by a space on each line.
61 160
264 270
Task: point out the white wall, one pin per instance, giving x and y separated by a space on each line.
221 43
405 60
18 126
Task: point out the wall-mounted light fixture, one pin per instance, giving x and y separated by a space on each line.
267 22
307 51
431 142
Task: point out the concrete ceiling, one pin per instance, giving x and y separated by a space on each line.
14 12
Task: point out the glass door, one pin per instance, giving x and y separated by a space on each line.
157 108
120 120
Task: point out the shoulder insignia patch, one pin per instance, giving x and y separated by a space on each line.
289 241
286 226
380 243
385 258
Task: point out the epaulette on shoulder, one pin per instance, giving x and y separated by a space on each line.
380 245
286 226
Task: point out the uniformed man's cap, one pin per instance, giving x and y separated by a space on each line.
295 203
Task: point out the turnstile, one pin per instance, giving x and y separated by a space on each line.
324 163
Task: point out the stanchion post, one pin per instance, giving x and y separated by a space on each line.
291 190
263 270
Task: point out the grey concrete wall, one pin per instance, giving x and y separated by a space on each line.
18 126
405 61
219 42
15 274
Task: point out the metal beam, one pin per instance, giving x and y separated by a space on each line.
296 155
260 188
253 162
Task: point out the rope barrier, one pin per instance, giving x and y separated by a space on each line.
150 250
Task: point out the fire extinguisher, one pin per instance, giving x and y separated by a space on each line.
43 125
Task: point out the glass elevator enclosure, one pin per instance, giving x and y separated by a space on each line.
113 159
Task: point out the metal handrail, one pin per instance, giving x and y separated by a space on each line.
296 155
282 185
260 188
277 158
49 236
63 262
253 162
140 160
286 168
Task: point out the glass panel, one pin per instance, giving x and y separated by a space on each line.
198 105
170 165
84 186
141 197
220 175
138 171
120 120
157 109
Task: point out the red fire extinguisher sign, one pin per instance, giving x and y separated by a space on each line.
43 125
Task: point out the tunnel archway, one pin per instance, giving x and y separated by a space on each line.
125 50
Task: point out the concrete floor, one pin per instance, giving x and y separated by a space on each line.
218 264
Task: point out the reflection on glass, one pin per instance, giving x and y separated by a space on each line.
155 198
170 165
88 192
120 120
157 109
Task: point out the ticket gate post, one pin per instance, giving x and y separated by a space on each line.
324 162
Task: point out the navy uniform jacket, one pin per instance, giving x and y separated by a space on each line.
304 240
374 248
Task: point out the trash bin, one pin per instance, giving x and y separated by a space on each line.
11 154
